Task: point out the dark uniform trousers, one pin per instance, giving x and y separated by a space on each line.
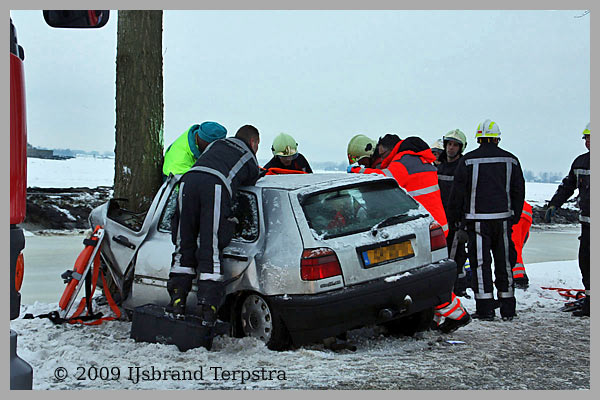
457 252
584 254
206 218
487 238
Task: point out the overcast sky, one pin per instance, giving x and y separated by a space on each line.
324 76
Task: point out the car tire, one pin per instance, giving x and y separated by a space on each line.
408 326
256 317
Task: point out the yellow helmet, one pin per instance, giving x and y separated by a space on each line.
586 131
488 128
284 145
359 147
458 136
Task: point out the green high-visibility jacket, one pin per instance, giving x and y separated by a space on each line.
183 153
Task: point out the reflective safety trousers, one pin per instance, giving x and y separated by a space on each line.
452 309
415 173
519 237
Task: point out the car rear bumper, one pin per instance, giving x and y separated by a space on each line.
312 317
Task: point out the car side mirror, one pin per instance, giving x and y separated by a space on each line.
76 18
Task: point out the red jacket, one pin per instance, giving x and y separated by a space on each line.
410 163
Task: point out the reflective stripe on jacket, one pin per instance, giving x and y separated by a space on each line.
414 171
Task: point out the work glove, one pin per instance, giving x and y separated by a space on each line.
549 214
461 236
349 169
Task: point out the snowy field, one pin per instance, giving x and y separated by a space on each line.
93 172
542 348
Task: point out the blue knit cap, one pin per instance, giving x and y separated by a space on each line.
210 131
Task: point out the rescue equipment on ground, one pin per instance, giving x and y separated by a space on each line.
85 271
568 293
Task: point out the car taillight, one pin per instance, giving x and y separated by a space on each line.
319 264
436 236
19 271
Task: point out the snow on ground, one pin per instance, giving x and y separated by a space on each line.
543 348
92 172
80 171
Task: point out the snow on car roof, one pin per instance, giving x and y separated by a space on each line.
299 181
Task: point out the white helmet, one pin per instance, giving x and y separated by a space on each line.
437 145
488 128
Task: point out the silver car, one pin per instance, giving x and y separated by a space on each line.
314 255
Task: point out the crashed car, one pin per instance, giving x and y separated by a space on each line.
313 256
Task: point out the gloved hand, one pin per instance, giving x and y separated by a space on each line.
349 169
549 214
461 236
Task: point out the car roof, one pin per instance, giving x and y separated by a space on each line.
300 181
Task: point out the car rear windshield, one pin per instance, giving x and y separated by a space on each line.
349 210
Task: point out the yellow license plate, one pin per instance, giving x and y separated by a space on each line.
387 253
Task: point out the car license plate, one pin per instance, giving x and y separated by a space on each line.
387 254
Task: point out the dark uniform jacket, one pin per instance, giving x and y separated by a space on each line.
488 184
232 161
298 164
446 172
578 178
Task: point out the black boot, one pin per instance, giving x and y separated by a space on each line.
178 286
208 314
450 325
585 310
485 309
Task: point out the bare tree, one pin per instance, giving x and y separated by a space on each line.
139 107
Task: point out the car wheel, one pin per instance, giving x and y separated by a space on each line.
258 319
408 326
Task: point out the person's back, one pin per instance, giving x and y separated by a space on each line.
489 167
228 159
487 197
181 155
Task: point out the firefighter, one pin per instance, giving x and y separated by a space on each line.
578 178
409 161
203 223
519 237
286 156
437 148
454 144
183 152
488 194
360 150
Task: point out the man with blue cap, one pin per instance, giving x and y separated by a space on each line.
183 153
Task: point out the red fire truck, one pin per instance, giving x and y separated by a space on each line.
21 373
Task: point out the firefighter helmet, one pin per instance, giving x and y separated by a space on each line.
586 131
359 147
456 135
437 145
284 145
488 128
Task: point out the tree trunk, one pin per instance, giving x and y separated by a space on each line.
139 113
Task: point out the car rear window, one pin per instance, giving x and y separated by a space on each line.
349 210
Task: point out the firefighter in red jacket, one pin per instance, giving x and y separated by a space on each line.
410 162
519 237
